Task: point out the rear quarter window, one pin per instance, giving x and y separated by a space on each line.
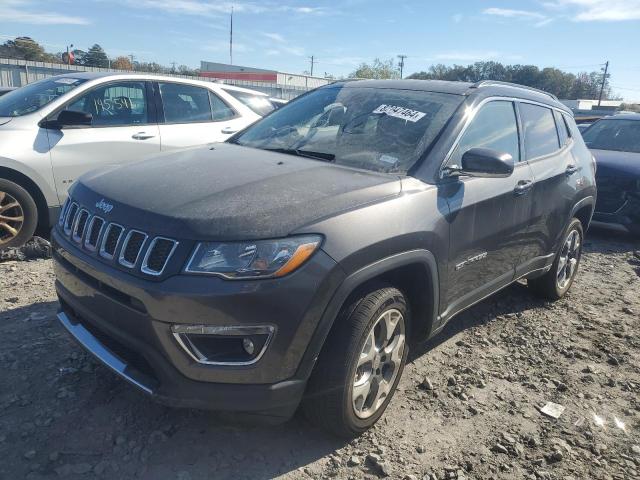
257 103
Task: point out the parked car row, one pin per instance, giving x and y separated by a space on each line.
297 262
54 130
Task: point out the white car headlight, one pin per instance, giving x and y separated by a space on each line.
253 259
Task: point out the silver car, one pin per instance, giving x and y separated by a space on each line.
56 129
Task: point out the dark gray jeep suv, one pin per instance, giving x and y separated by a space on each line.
297 262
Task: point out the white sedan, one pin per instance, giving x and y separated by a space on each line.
54 130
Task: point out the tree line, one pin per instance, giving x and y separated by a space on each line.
26 48
564 85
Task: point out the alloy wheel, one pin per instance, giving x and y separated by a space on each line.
379 363
11 218
568 261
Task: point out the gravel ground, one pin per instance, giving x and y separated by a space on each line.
468 405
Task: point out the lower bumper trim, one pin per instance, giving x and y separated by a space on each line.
102 353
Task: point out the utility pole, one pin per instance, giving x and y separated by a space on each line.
312 58
132 64
401 64
604 80
231 38
173 67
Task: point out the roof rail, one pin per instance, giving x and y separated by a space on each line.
489 83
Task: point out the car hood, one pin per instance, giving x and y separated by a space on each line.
228 192
4 120
613 163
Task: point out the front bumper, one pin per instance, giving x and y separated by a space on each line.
627 215
125 322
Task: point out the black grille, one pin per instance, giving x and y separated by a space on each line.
68 223
159 255
81 224
94 233
111 240
132 248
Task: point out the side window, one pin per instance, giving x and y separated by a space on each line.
494 126
257 103
563 129
114 104
185 103
540 133
221 111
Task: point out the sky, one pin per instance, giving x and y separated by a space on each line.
573 35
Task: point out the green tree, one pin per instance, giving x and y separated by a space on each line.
380 69
23 48
562 84
96 57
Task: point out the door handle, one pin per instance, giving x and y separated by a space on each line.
523 187
142 136
228 130
571 169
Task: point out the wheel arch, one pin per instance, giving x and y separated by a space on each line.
414 272
583 211
34 190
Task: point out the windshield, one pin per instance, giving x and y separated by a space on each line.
33 97
379 129
620 135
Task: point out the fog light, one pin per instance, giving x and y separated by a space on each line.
223 345
248 346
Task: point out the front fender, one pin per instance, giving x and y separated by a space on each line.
359 278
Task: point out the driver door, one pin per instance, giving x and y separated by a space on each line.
123 130
488 217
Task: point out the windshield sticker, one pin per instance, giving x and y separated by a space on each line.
400 112
66 81
389 159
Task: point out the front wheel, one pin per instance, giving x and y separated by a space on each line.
554 284
361 363
18 215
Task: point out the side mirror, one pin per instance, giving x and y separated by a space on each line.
486 162
71 118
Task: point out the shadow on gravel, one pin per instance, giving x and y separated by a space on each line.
514 299
92 421
607 240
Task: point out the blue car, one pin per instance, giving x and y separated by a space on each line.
615 143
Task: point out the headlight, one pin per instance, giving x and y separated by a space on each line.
259 259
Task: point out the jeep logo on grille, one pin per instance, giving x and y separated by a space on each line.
104 206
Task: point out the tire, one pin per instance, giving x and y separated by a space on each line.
18 215
553 285
329 400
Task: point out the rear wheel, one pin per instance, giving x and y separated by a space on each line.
361 363
18 215
554 284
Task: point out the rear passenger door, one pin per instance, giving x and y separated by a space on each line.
192 115
488 216
547 145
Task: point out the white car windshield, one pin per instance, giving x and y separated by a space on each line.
33 97
379 129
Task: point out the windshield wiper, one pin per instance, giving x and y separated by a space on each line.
327 157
